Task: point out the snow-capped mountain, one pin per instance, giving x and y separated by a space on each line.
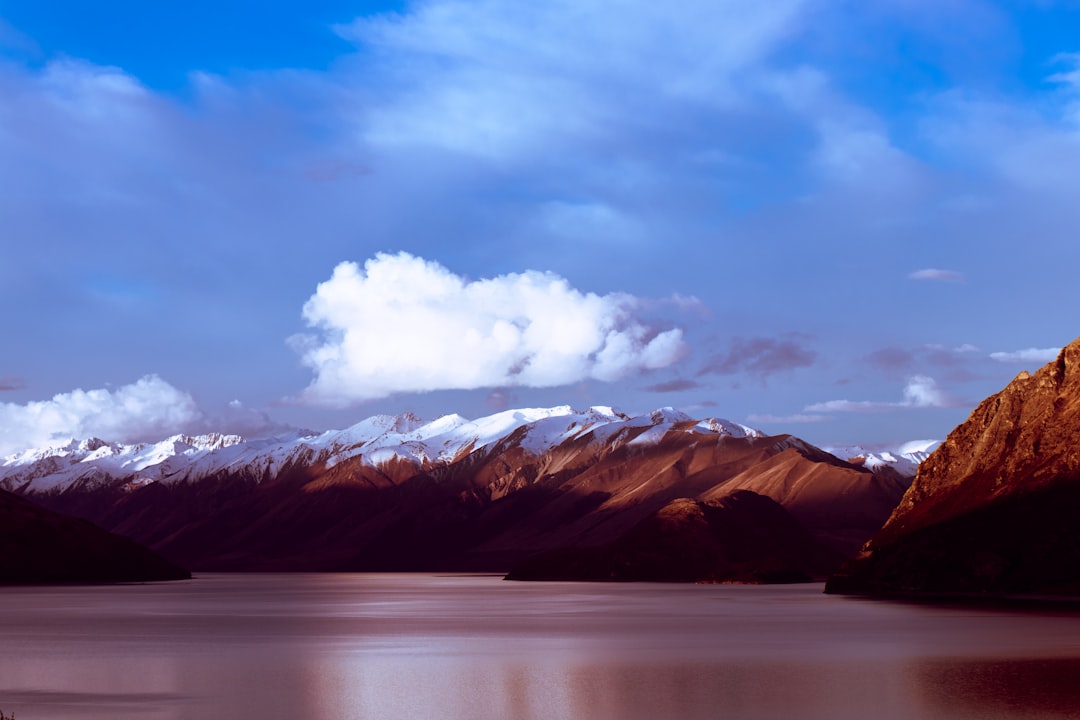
375 441
904 459
399 493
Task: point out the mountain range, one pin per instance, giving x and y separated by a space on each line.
554 493
397 493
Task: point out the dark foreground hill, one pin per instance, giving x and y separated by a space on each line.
742 537
40 546
996 509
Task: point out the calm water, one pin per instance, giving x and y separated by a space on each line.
380 647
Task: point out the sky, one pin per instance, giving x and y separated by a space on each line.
846 221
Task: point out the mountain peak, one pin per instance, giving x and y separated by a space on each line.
992 510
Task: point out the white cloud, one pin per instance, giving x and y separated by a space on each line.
936 274
848 406
1030 355
1070 80
921 391
853 149
405 324
147 409
500 79
594 222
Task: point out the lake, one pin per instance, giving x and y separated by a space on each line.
381 647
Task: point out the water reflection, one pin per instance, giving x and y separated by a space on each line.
1019 688
615 692
385 647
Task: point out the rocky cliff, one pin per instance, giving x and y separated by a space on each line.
996 509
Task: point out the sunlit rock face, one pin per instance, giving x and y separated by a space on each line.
995 509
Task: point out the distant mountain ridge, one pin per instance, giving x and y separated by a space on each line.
903 459
376 440
398 493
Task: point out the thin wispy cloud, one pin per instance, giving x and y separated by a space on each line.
677 385
1038 356
10 382
500 399
403 324
1070 80
761 357
921 391
937 274
795 419
954 364
891 360
495 79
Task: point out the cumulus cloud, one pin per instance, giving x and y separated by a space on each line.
147 409
936 274
1030 355
921 391
761 357
405 324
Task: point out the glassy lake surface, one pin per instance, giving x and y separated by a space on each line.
381 647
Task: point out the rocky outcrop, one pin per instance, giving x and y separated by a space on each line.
40 546
995 509
742 537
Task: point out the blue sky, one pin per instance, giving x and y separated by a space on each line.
847 221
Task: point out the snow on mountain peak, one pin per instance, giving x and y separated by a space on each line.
441 425
377 440
89 444
669 415
210 441
371 428
727 427
607 411
918 448
904 458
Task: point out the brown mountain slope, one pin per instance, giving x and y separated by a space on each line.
40 546
995 509
840 503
